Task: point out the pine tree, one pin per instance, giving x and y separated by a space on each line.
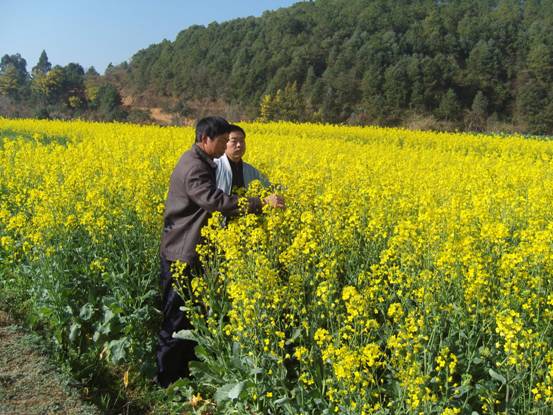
43 66
475 118
266 110
449 108
291 106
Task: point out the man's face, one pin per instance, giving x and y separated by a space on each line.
215 147
236 146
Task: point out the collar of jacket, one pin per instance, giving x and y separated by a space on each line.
204 156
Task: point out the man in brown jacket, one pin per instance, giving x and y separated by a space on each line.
193 196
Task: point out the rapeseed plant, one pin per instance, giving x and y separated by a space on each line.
410 272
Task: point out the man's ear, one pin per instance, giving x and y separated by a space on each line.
204 139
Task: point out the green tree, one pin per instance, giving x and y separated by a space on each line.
535 109
43 65
74 93
485 72
291 106
396 88
108 104
449 108
266 108
534 96
540 62
13 76
91 73
351 60
475 118
92 83
480 104
415 81
9 82
284 105
49 88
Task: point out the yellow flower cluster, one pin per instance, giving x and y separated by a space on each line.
406 266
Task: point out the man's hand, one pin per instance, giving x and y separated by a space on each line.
275 201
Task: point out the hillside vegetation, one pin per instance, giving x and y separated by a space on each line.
472 63
478 65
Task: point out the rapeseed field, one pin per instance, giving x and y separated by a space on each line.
409 274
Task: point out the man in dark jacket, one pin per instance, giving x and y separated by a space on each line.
193 196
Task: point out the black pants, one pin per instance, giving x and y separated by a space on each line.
173 355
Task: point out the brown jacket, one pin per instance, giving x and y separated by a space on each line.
193 195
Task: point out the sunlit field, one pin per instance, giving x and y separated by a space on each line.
409 274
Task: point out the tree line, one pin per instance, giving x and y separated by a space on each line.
469 63
463 64
57 92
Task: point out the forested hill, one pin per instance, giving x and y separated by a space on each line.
367 61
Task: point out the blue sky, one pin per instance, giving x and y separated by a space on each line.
95 33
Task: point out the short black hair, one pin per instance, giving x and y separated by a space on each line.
211 127
234 127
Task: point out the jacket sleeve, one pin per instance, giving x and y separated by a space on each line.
202 191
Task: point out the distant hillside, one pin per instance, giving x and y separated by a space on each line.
469 62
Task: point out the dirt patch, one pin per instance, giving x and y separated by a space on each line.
29 383
159 116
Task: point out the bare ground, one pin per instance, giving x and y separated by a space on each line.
29 383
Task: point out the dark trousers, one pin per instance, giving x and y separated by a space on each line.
173 355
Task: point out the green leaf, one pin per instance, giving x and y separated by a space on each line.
74 331
497 376
229 391
295 335
108 315
235 349
236 363
104 328
396 388
221 394
181 387
234 393
86 311
200 352
198 368
281 400
185 335
117 350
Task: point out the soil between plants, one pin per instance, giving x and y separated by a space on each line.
29 383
